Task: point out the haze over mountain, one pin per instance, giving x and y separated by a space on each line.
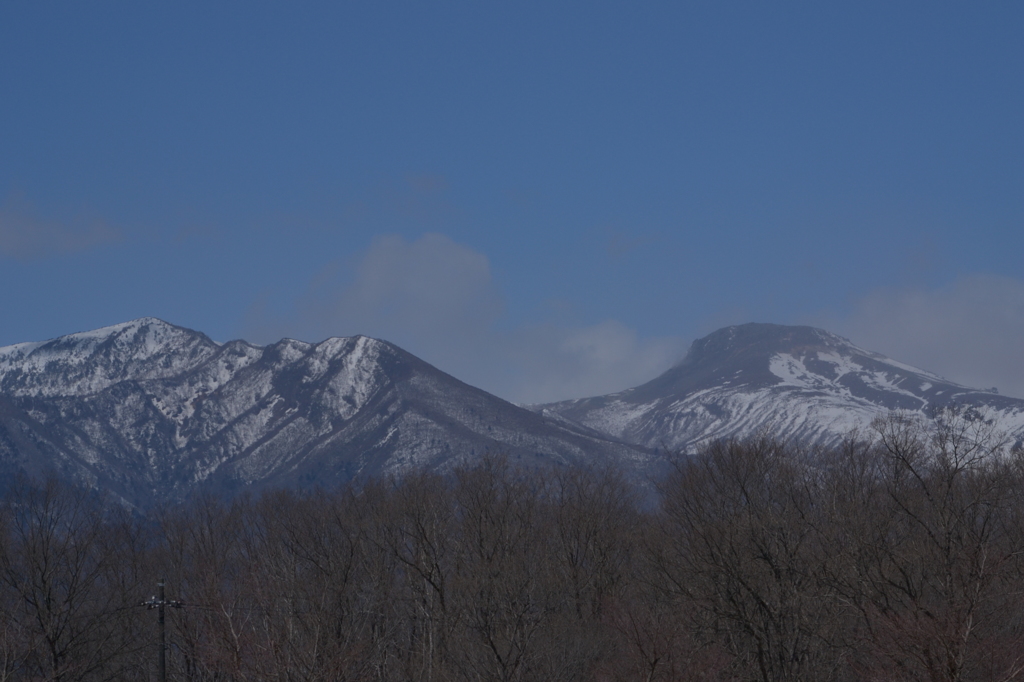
802 383
151 411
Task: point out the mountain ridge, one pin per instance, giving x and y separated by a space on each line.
153 411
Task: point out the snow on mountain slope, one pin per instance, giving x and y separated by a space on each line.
87 362
152 411
801 383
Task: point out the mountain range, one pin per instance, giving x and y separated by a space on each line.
151 412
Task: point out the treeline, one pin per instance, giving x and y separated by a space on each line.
899 557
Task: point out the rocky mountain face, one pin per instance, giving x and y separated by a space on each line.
802 383
151 412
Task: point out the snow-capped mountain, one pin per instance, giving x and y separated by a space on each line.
802 383
151 411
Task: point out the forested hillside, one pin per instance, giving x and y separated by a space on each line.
900 557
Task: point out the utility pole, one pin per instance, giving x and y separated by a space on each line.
159 603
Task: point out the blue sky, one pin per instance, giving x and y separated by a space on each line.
547 200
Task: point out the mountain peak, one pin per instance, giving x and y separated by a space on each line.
760 339
130 327
90 361
149 326
742 355
804 382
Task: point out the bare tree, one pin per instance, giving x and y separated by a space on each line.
504 590
68 583
931 554
741 549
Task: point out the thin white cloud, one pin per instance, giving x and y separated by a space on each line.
438 300
26 236
971 331
558 362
